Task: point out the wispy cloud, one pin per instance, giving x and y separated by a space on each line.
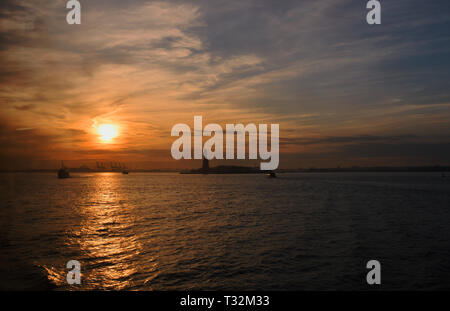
315 67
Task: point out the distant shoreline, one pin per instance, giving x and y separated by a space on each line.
378 169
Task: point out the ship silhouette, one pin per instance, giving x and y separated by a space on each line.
63 172
222 169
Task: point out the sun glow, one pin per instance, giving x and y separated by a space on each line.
107 132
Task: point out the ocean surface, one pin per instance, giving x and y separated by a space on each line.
166 231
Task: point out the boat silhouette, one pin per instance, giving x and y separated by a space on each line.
222 169
271 175
63 172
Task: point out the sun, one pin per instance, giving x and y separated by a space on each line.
107 132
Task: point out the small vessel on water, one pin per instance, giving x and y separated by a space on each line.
63 172
271 175
124 169
119 167
222 169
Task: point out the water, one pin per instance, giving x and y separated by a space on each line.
155 231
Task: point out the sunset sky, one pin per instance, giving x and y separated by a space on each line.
344 92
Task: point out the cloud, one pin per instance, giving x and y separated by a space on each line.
315 67
344 139
25 107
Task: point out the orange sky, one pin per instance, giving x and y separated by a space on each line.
145 66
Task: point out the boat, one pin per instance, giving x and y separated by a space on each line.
271 175
119 167
63 172
222 169
124 169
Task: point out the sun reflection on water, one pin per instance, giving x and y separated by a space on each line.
107 236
